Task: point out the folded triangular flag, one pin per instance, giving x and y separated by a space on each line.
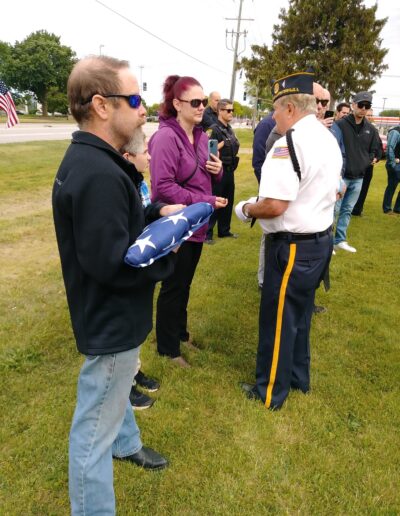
162 236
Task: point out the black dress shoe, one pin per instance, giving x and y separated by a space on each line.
250 390
147 459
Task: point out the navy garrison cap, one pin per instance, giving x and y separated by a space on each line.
301 82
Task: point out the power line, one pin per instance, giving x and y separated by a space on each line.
160 39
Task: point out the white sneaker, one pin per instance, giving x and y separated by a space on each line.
345 246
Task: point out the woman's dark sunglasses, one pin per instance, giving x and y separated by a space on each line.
195 103
228 110
133 100
366 105
324 102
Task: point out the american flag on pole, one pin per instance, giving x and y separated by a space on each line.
7 105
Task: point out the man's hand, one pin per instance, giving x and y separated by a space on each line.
327 122
170 209
214 165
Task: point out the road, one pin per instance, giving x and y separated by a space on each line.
35 132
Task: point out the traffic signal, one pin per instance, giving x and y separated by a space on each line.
145 86
244 95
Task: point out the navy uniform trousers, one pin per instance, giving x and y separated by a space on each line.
293 270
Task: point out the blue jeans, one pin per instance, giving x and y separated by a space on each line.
393 181
103 426
345 206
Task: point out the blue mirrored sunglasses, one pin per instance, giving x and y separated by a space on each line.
133 100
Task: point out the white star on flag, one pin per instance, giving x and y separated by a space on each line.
175 218
143 243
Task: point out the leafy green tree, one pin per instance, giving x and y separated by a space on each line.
5 55
39 63
153 109
339 39
57 101
261 69
390 112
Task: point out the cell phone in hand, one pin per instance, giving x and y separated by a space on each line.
329 114
212 148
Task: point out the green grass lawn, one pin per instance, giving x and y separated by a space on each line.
334 451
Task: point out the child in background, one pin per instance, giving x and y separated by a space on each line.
136 152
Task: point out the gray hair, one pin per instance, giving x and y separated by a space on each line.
303 101
136 144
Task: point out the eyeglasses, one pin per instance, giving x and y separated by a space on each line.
366 105
228 110
195 103
323 102
134 100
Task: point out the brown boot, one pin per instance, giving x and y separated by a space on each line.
180 361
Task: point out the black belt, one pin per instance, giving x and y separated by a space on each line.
283 235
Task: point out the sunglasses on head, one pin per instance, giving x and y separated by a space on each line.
195 103
228 110
133 100
366 105
323 102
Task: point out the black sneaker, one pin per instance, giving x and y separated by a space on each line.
140 400
147 383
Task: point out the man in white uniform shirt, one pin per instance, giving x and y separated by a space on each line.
295 211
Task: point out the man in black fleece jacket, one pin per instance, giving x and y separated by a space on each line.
356 138
98 214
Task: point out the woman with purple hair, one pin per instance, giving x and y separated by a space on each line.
181 173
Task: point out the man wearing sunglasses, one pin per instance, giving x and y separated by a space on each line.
228 146
322 98
98 214
356 138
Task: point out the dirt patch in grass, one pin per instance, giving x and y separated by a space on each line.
21 205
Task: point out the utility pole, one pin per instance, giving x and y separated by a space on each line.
101 46
141 82
236 47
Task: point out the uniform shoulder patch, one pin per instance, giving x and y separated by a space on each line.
281 152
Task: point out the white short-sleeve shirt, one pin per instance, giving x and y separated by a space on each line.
311 200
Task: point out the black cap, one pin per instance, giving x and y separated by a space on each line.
301 82
363 96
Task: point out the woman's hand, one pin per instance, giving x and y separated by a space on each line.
214 165
220 202
170 209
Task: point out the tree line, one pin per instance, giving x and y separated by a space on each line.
340 40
